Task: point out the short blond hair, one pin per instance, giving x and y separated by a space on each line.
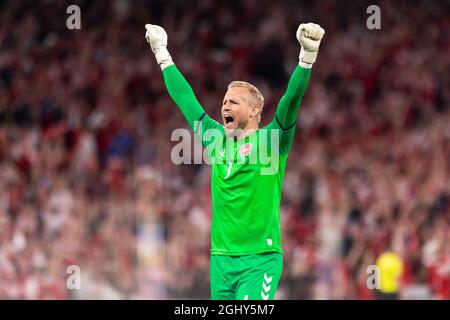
256 98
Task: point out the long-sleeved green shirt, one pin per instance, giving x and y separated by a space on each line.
247 174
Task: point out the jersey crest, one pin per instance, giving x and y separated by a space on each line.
245 149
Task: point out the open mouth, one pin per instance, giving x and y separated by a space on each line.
228 120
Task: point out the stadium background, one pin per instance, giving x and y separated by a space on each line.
85 122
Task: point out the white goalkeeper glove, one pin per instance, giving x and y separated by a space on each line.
157 38
309 35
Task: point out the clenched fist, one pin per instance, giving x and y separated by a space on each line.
156 36
309 36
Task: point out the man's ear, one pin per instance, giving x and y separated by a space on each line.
254 111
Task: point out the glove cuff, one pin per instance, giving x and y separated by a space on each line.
163 57
307 58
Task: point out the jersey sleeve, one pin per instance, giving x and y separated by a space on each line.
182 94
286 113
209 131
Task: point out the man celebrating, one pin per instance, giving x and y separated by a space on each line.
246 254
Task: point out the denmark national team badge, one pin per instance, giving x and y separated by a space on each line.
245 149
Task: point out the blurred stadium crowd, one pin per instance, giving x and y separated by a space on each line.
86 176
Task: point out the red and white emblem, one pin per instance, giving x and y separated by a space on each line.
245 149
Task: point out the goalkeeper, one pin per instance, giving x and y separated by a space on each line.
246 253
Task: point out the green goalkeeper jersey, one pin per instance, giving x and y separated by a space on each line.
247 174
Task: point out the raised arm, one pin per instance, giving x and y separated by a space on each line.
289 104
309 36
179 89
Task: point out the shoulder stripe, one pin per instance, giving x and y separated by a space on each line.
199 121
279 124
